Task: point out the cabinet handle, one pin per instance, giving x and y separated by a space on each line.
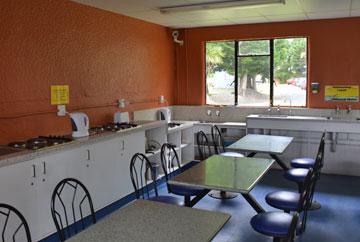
44 167
88 155
123 144
34 171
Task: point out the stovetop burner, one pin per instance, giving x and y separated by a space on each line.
40 142
118 126
173 125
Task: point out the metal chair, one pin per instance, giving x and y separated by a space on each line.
294 201
219 147
298 174
306 162
67 208
170 163
7 211
203 145
219 144
281 226
143 179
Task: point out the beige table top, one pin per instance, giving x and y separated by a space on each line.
258 143
225 173
145 220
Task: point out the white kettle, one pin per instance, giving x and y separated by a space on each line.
80 124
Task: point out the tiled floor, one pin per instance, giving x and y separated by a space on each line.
337 220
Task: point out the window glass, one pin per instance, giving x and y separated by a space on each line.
254 81
254 47
290 72
254 71
220 73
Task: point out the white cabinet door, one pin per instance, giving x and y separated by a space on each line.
133 143
102 179
54 168
18 184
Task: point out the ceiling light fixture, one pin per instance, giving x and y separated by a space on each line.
220 5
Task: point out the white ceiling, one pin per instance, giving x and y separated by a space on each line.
148 10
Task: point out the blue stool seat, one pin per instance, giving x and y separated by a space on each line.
296 174
168 200
303 163
284 200
185 191
233 154
274 224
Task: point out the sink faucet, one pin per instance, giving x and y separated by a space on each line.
208 112
337 109
217 113
278 108
348 109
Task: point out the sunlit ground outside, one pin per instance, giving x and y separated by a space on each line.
284 95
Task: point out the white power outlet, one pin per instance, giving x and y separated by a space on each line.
122 103
61 110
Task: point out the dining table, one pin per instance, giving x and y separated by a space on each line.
150 221
226 173
266 144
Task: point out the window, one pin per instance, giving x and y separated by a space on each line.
257 72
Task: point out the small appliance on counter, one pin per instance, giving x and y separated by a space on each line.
80 124
40 142
121 117
165 114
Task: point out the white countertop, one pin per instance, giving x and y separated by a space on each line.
25 155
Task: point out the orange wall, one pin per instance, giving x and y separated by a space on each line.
334 54
102 56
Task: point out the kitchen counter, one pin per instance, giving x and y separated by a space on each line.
239 125
25 155
304 123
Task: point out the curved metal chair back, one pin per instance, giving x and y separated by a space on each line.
292 228
218 140
7 211
141 172
306 196
67 208
169 161
203 145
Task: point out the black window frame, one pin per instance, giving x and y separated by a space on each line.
237 55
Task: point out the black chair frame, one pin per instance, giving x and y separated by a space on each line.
169 162
10 209
203 145
139 176
218 140
64 232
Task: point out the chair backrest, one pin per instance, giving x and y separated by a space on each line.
306 193
319 160
18 223
69 201
169 161
203 145
142 174
293 226
217 140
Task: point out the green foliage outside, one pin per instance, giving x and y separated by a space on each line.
289 59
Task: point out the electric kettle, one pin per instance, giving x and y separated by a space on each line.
79 124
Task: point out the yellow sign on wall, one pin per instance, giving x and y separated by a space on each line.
59 94
348 93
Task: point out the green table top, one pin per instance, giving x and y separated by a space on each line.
225 173
258 143
147 221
